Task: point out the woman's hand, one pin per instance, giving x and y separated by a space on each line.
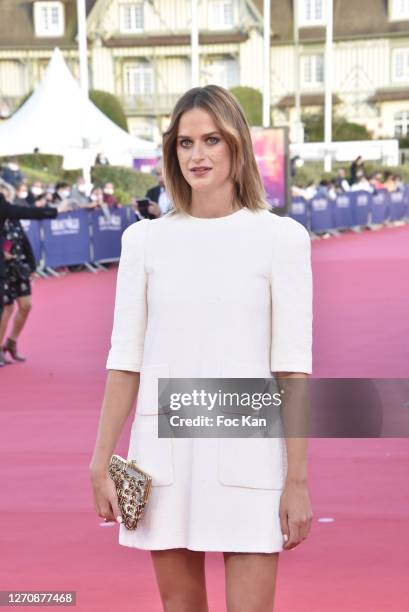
105 497
295 513
8 256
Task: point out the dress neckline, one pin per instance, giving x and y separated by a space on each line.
217 219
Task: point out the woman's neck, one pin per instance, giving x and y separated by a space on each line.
218 203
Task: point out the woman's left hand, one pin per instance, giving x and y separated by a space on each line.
295 513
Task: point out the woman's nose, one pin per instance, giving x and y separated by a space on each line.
197 153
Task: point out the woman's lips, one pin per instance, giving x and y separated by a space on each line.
200 171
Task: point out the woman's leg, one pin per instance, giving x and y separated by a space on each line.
5 318
180 574
24 307
250 581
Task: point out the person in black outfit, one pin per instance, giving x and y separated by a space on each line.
357 170
160 203
12 211
20 264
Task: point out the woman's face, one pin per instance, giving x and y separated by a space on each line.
203 154
97 193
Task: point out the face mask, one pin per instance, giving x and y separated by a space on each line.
109 191
81 188
94 197
65 194
36 191
23 195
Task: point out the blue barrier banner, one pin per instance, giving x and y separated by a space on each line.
361 202
343 211
32 229
380 206
397 205
130 216
107 233
66 239
322 214
406 201
299 211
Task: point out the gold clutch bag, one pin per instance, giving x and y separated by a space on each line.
132 486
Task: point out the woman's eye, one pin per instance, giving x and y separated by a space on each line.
186 142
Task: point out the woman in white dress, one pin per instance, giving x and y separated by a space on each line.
219 287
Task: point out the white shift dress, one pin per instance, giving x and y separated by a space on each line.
227 297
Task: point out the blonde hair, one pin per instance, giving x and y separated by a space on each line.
232 124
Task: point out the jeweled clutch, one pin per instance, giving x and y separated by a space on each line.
133 487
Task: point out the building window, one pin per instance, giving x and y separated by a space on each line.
400 64
220 15
131 17
401 124
222 71
49 18
312 70
311 12
138 79
399 9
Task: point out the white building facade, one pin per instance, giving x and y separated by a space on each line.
139 50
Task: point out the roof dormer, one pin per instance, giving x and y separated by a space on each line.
399 10
49 18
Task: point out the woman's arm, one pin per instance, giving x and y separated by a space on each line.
13 211
121 390
295 505
295 415
124 364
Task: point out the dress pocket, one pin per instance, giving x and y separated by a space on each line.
256 462
148 398
152 454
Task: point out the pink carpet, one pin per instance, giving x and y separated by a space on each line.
50 536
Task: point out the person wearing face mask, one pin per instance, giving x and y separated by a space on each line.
97 202
36 189
61 197
21 195
79 197
109 197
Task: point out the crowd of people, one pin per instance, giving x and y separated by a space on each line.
67 198
357 180
21 199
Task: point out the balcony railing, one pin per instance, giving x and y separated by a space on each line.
162 103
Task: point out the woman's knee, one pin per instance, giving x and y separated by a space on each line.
25 306
7 312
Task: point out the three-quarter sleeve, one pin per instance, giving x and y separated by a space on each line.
291 298
130 315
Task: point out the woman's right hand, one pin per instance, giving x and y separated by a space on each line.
105 497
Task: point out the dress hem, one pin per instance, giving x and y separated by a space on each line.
205 549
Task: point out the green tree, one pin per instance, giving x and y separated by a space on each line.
251 102
110 106
341 129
